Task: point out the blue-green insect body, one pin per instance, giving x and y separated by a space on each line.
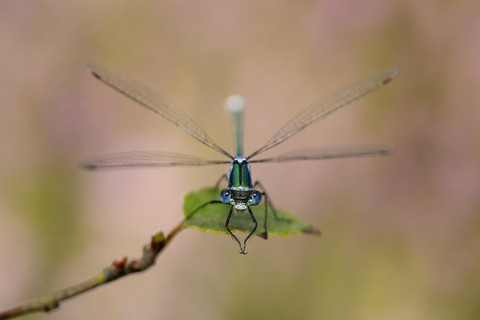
240 193
240 174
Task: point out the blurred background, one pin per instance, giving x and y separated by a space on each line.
401 234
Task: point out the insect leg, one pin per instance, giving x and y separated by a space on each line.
251 232
230 231
191 214
223 177
268 203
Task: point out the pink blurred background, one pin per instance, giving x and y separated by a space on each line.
400 233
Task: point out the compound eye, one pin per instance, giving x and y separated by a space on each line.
256 197
225 195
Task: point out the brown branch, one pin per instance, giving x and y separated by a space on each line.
120 267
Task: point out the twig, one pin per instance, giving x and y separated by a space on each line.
120 267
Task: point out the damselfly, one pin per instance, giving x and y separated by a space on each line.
241 192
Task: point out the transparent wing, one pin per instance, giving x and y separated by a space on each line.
134 159
329 153
324 107
153 102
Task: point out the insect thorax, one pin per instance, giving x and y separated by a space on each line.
240 174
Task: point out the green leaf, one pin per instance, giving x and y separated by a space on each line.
213 217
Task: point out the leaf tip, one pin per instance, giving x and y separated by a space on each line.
311 230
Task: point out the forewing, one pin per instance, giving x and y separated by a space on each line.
326 106
153 102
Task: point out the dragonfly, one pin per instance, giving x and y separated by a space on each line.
242 191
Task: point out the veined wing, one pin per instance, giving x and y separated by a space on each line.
137 159
326 106
329 153
153 102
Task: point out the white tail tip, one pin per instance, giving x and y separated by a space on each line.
234 103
